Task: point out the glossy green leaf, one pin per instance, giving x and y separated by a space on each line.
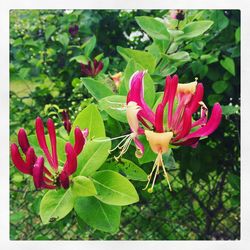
97 214
97 89
89 46
237 35
230 110
80 59
93 156
179 56
63 39
89 118
82 186
112 105
228 64
219 86
55 205
195 29
145 59
148 155
126 168
153 27
49 31
114 189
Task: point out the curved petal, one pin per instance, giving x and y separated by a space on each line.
140 148
70 165
64 179
212 124
52 136
85 133
136 94
185 126
79 141
42 141
30 159
18 161
166 90
172 93
198 96
38 173
159 118
23 140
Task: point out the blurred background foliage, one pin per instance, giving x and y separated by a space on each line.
44 74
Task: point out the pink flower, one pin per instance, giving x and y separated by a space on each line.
177 14
92 69
170 124
49 178
66 121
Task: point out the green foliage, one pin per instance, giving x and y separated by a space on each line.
46 78
97 89
97 214
114 189
82 186
55 205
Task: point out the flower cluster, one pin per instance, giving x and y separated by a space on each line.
54 176
92 69
172 122
66 121
73 30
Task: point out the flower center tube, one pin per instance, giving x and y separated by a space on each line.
159 143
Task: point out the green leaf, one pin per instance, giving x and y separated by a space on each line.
126 168
145 59
112 105
55 205
93 156
63 39
82 186
220 20
212 99
79 59
228 64
89 46
219 86
148 155
237 35
179 56
230 110
131 170
89 118
195 29
149 89
97 214
114 189
97 89
49 31
153 27
234 181
17 217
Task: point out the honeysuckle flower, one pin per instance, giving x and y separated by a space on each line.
73 30
54 176
171 125
92 69
177 14
66 121
132 110
117 79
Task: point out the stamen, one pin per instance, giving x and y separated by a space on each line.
165 172
123 145
156 170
